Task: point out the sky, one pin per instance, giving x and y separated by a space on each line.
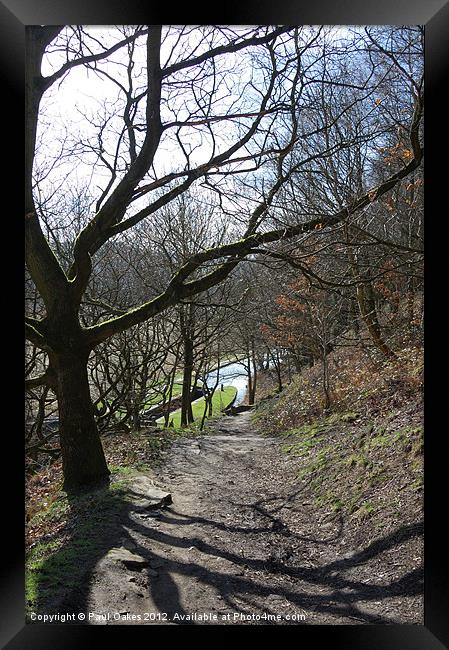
74 108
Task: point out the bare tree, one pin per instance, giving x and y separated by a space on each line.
228 129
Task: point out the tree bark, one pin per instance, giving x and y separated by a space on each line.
326 391
186 408
250 375
368 312
277 366
83 460
366 302
252 359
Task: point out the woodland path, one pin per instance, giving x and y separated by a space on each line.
243 539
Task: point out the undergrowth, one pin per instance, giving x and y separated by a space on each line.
363 458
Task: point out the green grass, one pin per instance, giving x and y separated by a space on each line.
220 401
342 470
156 398
54 565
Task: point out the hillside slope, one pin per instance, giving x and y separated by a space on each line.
361 462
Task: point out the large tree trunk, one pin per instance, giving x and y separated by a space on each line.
83 459
186 399
297 359
326 390
365 300
252 387
250 376
277 366
368 312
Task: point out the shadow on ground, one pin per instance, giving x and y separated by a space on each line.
106 519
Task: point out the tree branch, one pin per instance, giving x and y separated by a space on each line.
178 289
114 208
48 378
49 81
34 336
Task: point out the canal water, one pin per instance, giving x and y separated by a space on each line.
233 374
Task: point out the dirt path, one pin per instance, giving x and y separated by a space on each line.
243 543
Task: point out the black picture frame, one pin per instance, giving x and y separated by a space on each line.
15 15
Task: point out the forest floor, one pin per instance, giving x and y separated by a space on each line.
282 515
249 537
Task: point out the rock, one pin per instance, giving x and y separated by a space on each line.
154 514
146 495
274 598
130 560
128 544
349 555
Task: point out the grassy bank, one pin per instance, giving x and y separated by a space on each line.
221 400
363 459
77 532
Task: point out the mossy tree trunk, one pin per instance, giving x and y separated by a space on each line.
326 383
252 382
188 345
367 306
365 297
83 458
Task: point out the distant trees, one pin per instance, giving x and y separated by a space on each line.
257 116
307 324
129 371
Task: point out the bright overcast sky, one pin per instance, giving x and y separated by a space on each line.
73 109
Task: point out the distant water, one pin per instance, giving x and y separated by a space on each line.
232 375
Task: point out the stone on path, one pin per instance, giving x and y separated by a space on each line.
130 560
145 494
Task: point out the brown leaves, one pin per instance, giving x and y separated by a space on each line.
407 154
390 204
400 152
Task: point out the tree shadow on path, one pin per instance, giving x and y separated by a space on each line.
239 583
